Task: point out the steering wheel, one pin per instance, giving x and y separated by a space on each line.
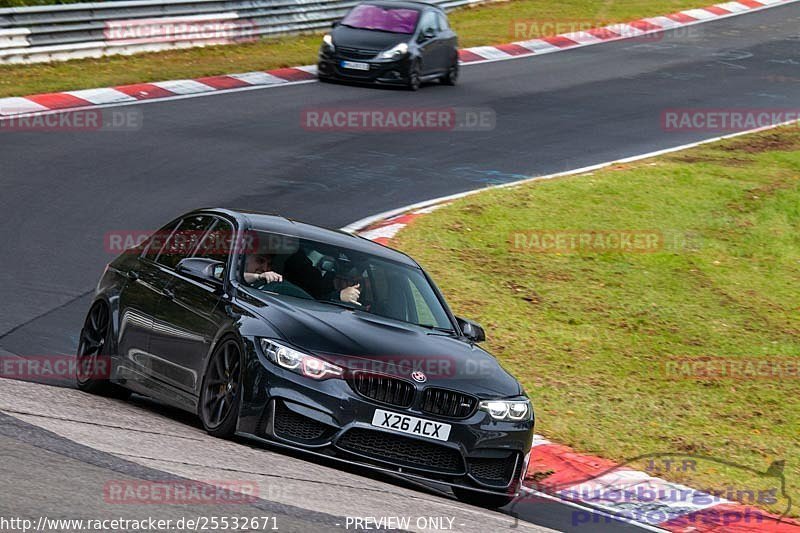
282 287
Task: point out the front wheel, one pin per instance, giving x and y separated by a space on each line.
452 75
221 394
482 499
414 81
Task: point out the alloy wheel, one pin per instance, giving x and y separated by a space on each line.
222 385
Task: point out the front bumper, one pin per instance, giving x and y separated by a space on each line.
330 418
380 71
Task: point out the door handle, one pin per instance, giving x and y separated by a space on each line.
169 294
132 275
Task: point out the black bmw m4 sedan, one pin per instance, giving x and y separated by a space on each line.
311 339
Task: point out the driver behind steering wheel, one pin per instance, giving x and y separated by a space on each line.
258 266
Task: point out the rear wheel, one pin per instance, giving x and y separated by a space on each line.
482 499
221 395
93 362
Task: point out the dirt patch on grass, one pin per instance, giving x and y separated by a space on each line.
727 161
752 197
771 142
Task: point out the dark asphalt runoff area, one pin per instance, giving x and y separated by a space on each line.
64 191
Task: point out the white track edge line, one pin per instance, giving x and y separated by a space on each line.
367 221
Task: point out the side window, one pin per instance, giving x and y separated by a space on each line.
428 22
422 310
218 243
442 20
184 240
155 242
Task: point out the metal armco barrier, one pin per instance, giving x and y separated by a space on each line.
71 31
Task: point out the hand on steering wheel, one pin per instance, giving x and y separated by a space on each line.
270 277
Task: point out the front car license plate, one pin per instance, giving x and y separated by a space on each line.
411 425
354 65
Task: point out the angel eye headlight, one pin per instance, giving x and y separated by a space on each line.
507 410
299 362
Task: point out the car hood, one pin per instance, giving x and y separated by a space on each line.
366 39
357 340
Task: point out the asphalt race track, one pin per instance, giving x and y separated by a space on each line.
62 192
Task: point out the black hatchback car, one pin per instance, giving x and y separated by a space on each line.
311 339
391 42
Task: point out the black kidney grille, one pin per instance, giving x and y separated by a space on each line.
448 403
383 389
401 450
496 472
293 426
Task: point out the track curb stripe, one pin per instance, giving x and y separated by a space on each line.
41 103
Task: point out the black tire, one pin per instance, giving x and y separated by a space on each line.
221 394
414 81
451 78
93 362
482 499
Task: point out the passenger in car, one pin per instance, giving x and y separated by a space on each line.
321 285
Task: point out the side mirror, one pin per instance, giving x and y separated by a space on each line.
428 33
472 330
206 271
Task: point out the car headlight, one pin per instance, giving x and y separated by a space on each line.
395 52
327 41
508 410
299 362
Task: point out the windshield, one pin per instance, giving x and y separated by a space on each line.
371 17
301 268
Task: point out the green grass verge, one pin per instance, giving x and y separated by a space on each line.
588 333
490 24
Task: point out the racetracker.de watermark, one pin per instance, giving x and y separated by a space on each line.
586 241
368 119
439 367
84 120
53 368
726 120
703 368
556 30
179 492
211 29
169 243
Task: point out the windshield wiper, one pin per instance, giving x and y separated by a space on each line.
437 328
341 304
